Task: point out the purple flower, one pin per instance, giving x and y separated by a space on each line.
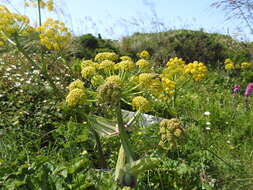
236 88
248 89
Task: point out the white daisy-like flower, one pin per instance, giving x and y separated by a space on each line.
207 113
208 123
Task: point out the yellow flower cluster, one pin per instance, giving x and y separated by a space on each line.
107 65
88 71
146 79
87 63
144 54
76 84
170 131
168 88
76 94
13 24
106 56
126 65
54 35
75 97
197 70
245 65
43 4
229 64
125 58
174 69
144 65
140 103
114 78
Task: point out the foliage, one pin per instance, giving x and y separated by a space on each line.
189 45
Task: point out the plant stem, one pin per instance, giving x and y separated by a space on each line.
100 151
39 11
123 135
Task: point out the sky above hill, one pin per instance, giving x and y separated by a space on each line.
116 18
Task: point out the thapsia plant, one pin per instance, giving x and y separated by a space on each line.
109 83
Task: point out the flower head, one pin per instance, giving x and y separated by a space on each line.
114 78
170 131
54 35
140 103
109 93
248 90
236 88
106 56
88 71
245 65
207 113
75 97
76 84
144 54
144 65
107 65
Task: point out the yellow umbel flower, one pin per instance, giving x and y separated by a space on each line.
126 58
170 131
140 103
76 84
229 66
146 79
245 65
88 71
106 56
168 88
228 61
87 63
13 24
197 70
75 97
144 54
144 65
107 65
43 4
114 78
174 69
54 35
125 65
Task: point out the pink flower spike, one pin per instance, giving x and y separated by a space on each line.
236 88
248 90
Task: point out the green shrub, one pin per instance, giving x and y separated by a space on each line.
189 45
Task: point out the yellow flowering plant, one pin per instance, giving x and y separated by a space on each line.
105 83
197 70
49 4
54 35
13 27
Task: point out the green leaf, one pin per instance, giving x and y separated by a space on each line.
78 166
141 165
120 164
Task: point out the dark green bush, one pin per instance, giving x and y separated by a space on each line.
87 46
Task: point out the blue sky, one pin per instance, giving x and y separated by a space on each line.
117 18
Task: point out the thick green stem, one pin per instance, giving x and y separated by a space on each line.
123 135
39 11
100 151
